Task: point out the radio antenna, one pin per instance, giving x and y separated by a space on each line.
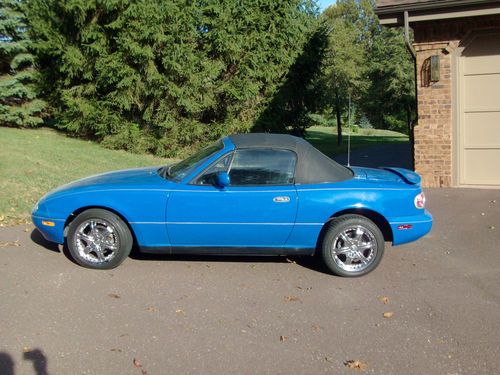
349 134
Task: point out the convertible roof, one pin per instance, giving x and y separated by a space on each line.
312 165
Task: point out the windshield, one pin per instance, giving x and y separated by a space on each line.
181 169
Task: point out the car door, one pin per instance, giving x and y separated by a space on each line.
257 209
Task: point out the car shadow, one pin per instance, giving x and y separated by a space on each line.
313 263
37 238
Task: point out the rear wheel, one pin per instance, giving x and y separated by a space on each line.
353 246
99 239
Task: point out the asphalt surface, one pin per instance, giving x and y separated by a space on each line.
398 155
203 315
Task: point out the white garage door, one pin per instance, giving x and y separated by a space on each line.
479 132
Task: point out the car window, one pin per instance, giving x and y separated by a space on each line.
262 167
180 170
208 177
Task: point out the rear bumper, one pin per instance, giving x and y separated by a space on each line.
50 233
410 228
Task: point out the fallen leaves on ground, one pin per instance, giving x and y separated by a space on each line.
116 350
138 365
356 365
180 312
388 314
384 299
113 295
283 338
291 261
492 227
10 244
151 309
291 299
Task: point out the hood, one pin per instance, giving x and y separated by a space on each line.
387 174
127 178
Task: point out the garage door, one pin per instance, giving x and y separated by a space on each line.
479 129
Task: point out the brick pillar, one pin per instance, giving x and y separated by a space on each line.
433 134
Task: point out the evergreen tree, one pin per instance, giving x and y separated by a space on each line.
18 103
390 101
165 75
345 62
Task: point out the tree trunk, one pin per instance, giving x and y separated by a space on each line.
339 120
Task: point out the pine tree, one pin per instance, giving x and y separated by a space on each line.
164 76
19 105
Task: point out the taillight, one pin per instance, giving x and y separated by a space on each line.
420 200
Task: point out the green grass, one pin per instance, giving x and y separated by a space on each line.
325 139
34 161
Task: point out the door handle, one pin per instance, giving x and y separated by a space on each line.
282 199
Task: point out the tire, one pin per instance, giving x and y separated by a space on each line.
99 239
352 246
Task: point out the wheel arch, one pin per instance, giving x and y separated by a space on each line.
379 220
78 211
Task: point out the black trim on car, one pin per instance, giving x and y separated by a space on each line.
226 250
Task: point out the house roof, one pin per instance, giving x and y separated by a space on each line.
391 12
313 167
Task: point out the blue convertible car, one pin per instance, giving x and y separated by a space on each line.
247 194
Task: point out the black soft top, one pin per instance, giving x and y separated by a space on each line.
313 167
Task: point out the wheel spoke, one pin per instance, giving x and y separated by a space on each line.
348 261
85 237
366 246
110 245
358 234
341 250
345 237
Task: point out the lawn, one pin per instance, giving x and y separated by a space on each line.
32 162
325 139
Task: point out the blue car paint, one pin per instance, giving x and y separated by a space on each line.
163 213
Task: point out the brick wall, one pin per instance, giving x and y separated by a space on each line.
434 132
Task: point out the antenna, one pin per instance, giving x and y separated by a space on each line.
349 134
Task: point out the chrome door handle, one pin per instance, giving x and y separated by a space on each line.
283 199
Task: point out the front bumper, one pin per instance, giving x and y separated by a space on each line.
53 233
410 228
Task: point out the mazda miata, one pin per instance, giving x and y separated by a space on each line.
246 194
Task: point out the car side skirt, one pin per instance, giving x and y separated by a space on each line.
226 250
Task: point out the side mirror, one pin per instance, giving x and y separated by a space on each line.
222 179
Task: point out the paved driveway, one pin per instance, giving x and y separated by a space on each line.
398 155
205 315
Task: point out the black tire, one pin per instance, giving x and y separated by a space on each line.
364 234
99 239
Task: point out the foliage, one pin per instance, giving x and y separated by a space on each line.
163 76
19 105
368 63
297 98
390 100
344 68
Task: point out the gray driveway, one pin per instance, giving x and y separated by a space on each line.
398 155
192 315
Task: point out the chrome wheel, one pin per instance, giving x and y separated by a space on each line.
354 249
96 241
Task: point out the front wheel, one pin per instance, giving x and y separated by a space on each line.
99 239
352 246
